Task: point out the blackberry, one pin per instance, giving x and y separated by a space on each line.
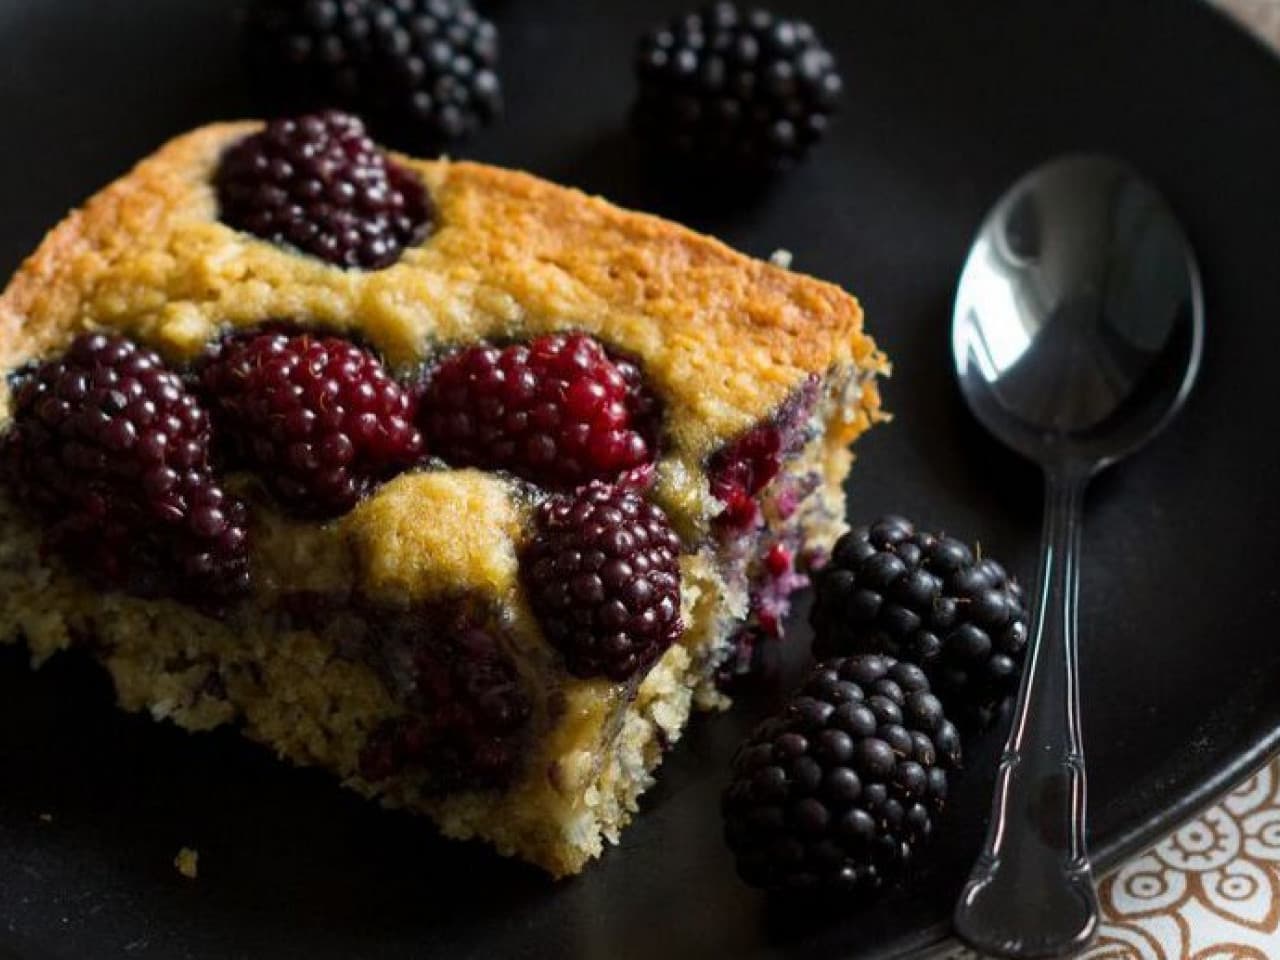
318 417
112 451
422 70
469 706
558 411
310 50
837 794
319 184
923 597
603 575
727 90
432 72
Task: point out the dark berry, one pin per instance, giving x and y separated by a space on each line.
730 91
317 417
113 452
468 706
837 794
559 411
921 597
319 184
310 51
423 70
603 575
432 71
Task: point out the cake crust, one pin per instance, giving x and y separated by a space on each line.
725 337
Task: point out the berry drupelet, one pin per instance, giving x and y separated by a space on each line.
319 184
469 708
835 795
558 411
318 417
924 597
728 90
603 575
113 452
423 70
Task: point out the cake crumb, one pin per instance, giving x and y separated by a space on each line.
781 258
187 862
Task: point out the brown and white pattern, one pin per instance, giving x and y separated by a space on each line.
1210 891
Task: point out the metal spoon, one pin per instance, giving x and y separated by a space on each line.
1077 336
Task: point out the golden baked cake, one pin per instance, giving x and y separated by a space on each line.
456 483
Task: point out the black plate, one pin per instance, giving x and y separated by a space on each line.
948 103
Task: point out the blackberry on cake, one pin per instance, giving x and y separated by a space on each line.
318 183
727 89
558 411
317 417
604 580
441 616
470 706
425 71
927 598
837 794
110 448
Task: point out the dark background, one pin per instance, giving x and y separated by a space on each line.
947 104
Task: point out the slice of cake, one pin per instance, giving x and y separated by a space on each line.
461 485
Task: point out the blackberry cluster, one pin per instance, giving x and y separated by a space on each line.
727 90
319 184
603 577
112 451
423 70
311 50
318 417
838 793
558 411
892 589
469 706
433 67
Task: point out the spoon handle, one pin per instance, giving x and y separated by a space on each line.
1031 893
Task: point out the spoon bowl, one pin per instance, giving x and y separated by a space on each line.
1079 318
1077 335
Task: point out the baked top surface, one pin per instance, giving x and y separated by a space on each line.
722 338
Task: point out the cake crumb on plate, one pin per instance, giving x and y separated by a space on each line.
187 862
